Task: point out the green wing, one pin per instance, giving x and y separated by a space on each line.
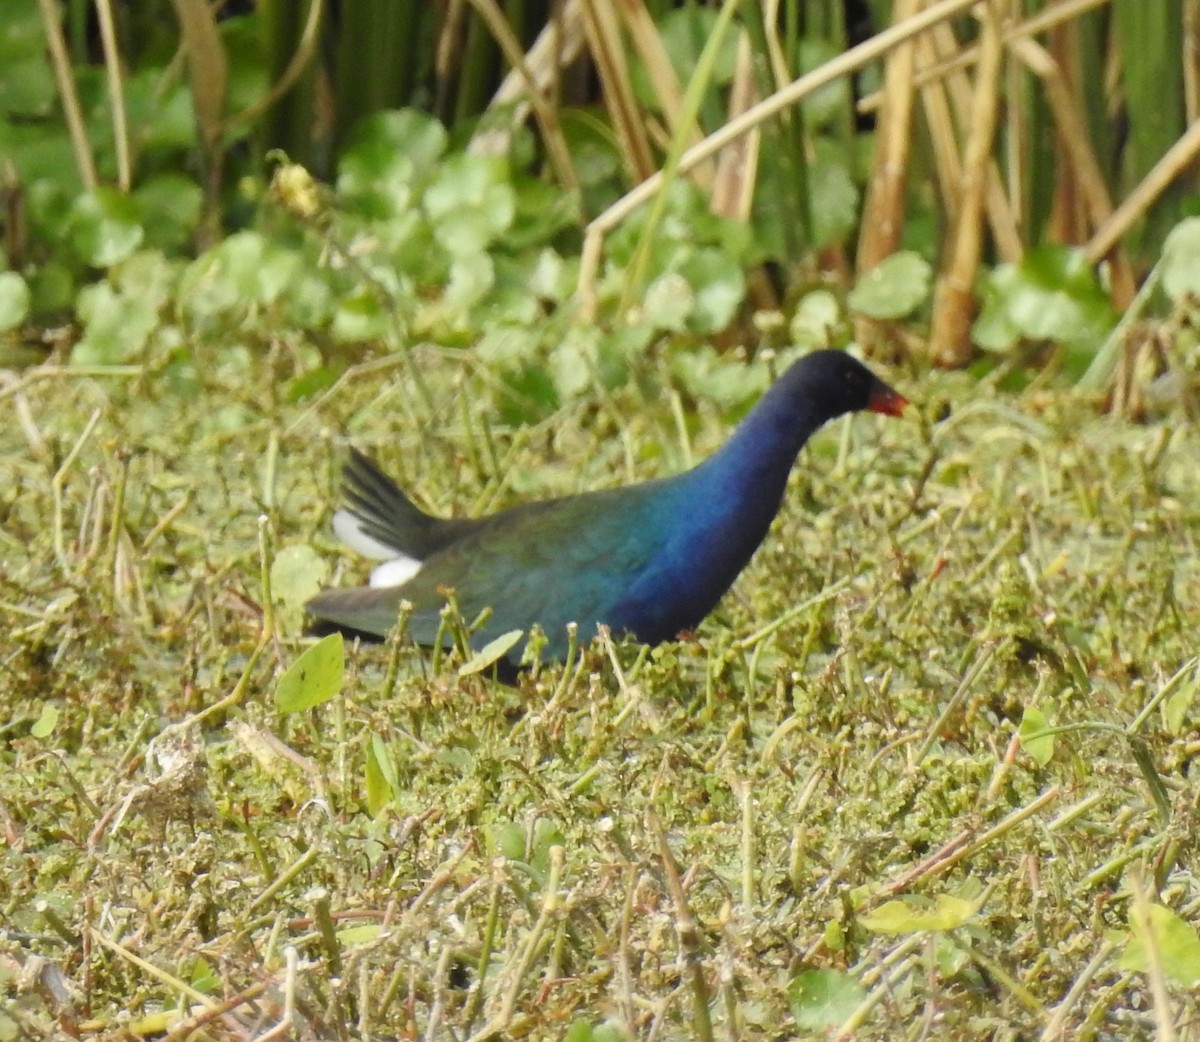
553 562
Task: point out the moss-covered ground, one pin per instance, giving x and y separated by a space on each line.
816 819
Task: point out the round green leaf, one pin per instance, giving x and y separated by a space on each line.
1178 948
711 377
551 277
147 279
53 289
360 316
161 116
204 978
44 725
170 206
242 40
259 269
824 999
530 395
826 106
909 916
817 318
573 362
593 150
1181 260
1176 708
668 302
543 210
471 276
116 326
309 385
409 247
388 150
579 1031
893 288
27 85
512 300
23 32
718 285
14 300
243 270
356 935
310 302
1039 745
470 203
502 344
105 226
1055 296
834 198
509 841
297 573
994 330
315 677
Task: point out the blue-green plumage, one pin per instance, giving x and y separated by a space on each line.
649 560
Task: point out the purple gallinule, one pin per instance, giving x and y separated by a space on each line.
649 560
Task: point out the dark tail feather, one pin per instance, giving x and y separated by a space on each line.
387 515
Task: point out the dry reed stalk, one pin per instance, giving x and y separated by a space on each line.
68 93
940 120
116 93
883 208
1191 60
855 58
1081 160
737 164
1133 207
604 41
954 300
1002 218
1068 211
648 43
963 57
559 43
544 109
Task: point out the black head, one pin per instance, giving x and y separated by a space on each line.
838 384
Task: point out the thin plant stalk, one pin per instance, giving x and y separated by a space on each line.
64 77
116 93
953 306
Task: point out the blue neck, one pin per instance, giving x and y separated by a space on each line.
718 514
743 483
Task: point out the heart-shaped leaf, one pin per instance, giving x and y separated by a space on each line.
315 677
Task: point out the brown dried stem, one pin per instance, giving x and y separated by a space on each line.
954 304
